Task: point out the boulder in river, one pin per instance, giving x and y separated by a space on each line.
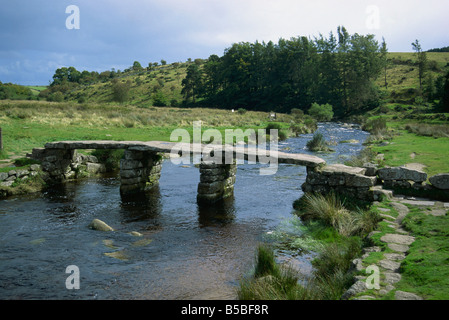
97 224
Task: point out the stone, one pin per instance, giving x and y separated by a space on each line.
315 178
99 225
336 180
397 238
379 192
343 169
211 178
402 295
389 265
210 188
35 167
6 183
440 181
401 173
392 277
3 176
398 247
387 289
131 173
372 249
95 168
130 164
357 287
394 256
358 265
370 169
358 180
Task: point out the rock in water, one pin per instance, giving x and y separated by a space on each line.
97 224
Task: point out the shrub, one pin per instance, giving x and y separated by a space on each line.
376 126
120 90
318 143
321 112
159 99
241 111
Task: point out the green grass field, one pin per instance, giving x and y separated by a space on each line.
29 124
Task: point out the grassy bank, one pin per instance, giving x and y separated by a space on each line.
335 230
425 270
407 134
29 124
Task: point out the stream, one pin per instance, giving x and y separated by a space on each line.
184 252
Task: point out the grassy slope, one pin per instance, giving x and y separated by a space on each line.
28 124
400 111
166 79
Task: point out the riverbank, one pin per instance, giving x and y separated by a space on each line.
396 259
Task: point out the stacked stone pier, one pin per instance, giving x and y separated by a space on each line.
216 181
139 172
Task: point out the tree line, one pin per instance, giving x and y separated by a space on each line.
339 70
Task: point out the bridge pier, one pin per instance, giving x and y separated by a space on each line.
139 171
57 163
216 181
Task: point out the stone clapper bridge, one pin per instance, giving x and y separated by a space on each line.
140 167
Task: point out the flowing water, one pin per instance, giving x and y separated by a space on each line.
185 251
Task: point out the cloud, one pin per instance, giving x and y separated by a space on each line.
114 33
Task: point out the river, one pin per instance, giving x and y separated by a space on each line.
185 251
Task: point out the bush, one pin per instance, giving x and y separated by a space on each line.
241 111
321 112
375 126
120 90
318 143
159 99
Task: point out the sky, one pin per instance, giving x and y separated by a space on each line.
39 36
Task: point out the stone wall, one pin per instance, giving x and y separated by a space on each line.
8 178
216 181
369 183
59 165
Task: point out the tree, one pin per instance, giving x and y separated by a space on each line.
384 57
445 94
137 66
321 112
192 84
421 60
163 62
120 90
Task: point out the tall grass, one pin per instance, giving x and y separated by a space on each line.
318 143
340 231
330 209
428 130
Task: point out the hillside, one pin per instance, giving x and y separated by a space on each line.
402 74
162 85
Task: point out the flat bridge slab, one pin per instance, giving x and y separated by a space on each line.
167 147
